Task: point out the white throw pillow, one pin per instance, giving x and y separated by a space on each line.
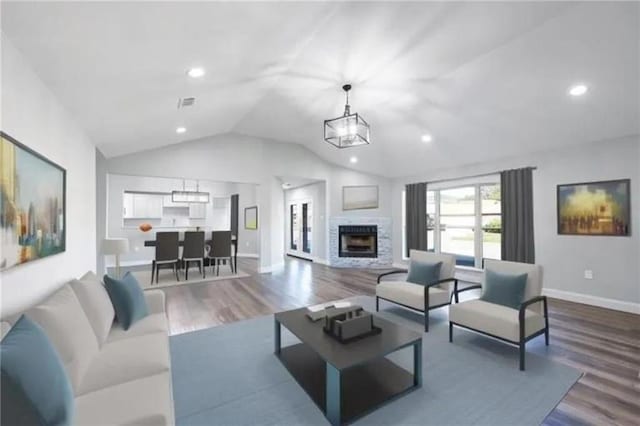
69 330
96 304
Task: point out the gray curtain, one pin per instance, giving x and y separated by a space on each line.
517 215
416 216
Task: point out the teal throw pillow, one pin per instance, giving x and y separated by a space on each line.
127 298
504 289
35 386
423 273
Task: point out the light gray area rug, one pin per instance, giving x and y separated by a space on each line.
167 278
228 375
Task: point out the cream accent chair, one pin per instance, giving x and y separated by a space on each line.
415 296
515 326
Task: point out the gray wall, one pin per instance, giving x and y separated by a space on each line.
34 116
101 210
614 260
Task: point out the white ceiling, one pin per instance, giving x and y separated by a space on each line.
486 80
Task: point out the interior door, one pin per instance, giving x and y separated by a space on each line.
300 228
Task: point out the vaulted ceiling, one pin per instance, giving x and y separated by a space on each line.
486 80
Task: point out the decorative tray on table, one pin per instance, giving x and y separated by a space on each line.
349 324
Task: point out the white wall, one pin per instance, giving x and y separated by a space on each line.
245 159
118 184
316 192
614 260
32 115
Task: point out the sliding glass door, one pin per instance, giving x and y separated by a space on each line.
299 227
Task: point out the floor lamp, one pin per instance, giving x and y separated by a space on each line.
115 246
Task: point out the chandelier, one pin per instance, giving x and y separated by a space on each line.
185 196
348 130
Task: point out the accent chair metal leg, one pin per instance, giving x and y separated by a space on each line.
450 332
522 351
203 269
426 320
175 268
186 269
157 272
377 303
153 270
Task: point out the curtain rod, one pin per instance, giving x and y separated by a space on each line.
474 176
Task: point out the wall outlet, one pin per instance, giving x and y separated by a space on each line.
588 274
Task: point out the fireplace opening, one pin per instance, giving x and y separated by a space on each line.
358 241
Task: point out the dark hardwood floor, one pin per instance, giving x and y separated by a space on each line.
602 343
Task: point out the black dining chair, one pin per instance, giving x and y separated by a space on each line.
220 250
167 253
193 251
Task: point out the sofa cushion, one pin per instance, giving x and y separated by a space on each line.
123 360
411 294
33 373
96 304
131 403
63 320
127 298
424 273
503 289
495 319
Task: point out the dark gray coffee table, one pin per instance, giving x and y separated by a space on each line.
349 380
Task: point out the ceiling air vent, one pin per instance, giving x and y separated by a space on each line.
186 102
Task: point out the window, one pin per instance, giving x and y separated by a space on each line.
491 221
464 220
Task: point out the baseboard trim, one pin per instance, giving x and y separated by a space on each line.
249 255
321 261
270 268
602 302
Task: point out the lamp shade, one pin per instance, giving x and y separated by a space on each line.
115 246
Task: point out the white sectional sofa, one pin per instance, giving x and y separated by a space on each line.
119 377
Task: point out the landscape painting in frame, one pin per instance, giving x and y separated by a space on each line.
595 208
251 218
359 197
32 205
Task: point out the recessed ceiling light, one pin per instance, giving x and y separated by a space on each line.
181 129
353 160
195 72
578 90
426 138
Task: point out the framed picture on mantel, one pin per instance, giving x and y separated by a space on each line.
32 204
595 208
251 218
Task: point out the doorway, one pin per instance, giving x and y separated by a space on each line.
300 228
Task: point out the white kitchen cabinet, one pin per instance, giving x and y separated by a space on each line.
127 205
198 210
142 206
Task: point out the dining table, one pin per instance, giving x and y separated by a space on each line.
234 244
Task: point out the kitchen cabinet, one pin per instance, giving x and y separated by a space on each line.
198 210
142 206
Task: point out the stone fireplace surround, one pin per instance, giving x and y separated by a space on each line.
385 255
